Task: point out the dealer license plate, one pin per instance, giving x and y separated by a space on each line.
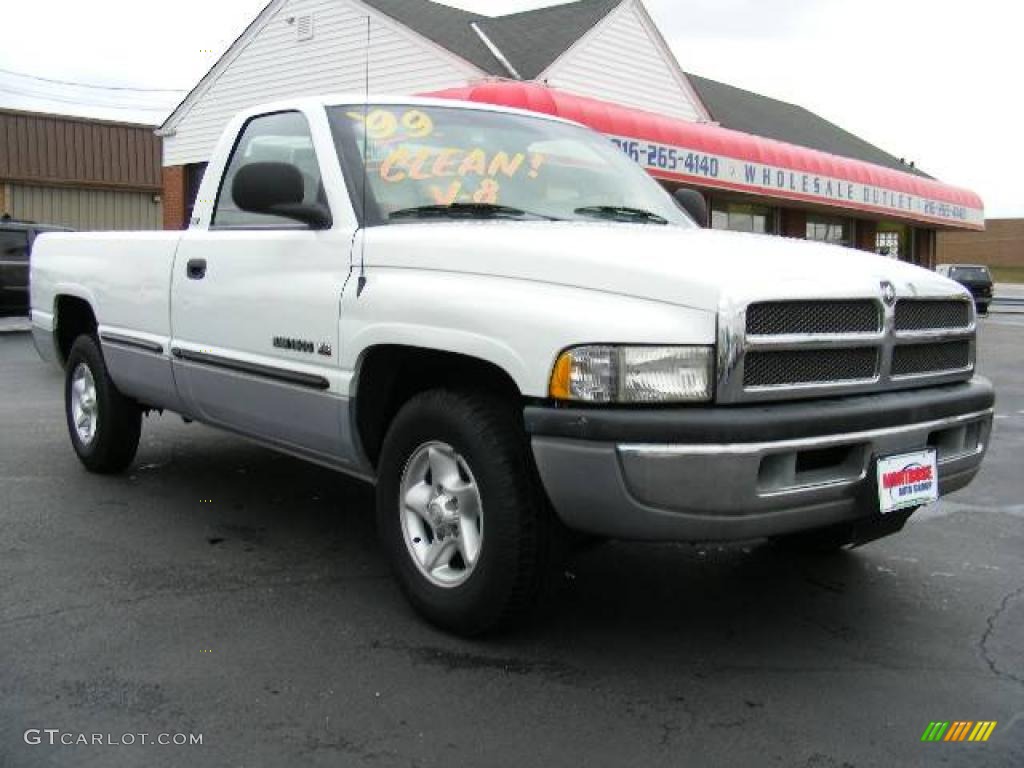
907 480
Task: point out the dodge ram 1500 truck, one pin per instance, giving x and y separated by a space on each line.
514 332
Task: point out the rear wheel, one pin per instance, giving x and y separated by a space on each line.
103 424
460 512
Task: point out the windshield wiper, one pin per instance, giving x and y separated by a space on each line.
621 213
472 210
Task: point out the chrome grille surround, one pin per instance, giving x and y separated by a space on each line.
843 356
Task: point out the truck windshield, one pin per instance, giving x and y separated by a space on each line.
438 163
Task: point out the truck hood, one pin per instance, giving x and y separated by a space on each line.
695 268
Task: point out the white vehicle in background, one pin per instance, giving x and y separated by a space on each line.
514 332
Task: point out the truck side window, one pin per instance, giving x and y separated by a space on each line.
13 245
283 137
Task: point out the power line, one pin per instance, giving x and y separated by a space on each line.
91 85
94 105
66 100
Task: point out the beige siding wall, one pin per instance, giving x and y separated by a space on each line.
87 209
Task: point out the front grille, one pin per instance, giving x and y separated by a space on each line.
775 318
916 359
780 349
925 315
809 366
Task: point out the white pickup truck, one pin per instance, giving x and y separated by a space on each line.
515 333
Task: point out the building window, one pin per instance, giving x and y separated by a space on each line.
743 217
888 244
827 229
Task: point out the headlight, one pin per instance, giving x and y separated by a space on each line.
607 374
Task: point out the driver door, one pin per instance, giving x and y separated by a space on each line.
255 307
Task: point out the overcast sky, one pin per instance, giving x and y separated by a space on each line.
934 81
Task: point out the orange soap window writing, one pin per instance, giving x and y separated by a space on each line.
414 162
427 164
382 124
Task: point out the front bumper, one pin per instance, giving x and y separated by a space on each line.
738 472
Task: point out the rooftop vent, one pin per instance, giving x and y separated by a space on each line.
304 27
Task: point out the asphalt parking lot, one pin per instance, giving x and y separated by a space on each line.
223 590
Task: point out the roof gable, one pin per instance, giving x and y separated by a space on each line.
219 66
446 26
624 59
440 17
529 41
753 113
533 40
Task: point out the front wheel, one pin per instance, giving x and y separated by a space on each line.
460 512
103 424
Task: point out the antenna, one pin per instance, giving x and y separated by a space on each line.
361 284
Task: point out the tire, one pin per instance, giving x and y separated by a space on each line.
492 571
983 308
116 422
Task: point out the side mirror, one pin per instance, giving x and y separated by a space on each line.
692 201
277 189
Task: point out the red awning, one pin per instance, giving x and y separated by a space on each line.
718 158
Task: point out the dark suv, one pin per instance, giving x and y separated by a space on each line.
16 238
975 278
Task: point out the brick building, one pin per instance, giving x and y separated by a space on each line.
1000 245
